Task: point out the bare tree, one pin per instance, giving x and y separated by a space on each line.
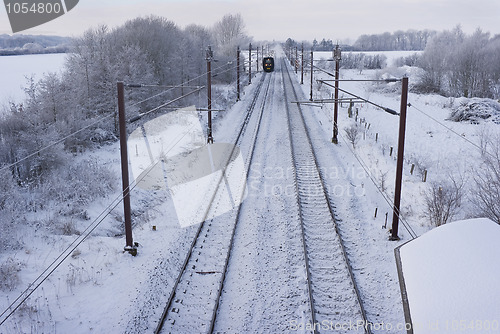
443 200
352 134
383 181
229 32
486 195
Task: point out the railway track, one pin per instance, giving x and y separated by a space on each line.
334 299
193 303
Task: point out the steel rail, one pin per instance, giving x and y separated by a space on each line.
165 313
303 239
330 208
228 257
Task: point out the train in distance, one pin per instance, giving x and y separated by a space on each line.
268 64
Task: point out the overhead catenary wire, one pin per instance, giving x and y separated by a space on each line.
363 165
135 118
198 88
323 70
102 118
37 282
388 110
181 85
219 96
452 131
371 177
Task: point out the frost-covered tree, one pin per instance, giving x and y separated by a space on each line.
352 134
82 102
436 59
468 71
443 200
455 64
486 194
362 61
228 33
199 38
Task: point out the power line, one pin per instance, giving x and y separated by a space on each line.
135 118
55 143
92 124
35 284
370 176
181 85
32 287
388 110
453 131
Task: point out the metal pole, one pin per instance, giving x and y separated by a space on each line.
399 168
238 74
337 54
250 63
296 62
312 62
257 65
210 139
302 66
129 242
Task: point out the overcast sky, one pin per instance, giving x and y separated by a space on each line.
280 19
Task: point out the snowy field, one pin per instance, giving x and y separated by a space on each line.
100 288
433 143
16 69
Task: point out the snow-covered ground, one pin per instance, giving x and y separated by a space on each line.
17 69
429 144
451 277
102 289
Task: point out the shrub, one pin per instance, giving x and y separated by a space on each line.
9 278
443 201
352 134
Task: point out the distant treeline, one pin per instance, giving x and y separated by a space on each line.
410 40
324 45
328 45
33 44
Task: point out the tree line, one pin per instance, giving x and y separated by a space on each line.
410 40
30 44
